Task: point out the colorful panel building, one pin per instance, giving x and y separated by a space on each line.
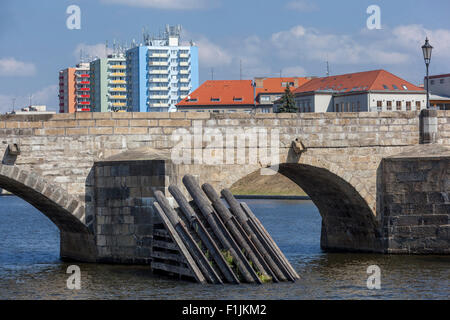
161 72
74 89
108 84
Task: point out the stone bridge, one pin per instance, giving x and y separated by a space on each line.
380 180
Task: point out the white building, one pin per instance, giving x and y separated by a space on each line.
440 91
369 91
161 72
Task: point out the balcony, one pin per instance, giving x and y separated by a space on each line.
184 55
185 88
159 72
117 82
159 97
117 104
118 89
84 89
184 64
83 96
118 66
83 82
158 55
159 105
184 71
84 103
118 97
158 89
158 63
184 80
158 80
118 74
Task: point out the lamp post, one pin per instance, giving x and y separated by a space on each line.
427 50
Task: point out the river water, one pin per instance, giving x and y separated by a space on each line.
30 267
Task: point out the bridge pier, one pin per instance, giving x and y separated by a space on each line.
415 205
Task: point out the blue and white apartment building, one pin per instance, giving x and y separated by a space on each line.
161 72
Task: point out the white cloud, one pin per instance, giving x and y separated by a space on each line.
166 4
92 51
302 6
312 44
413 37
211 54
46 96
13 67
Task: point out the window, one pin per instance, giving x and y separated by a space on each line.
442 81
358 106
385 86
237 99
399 105
395 87
404 87
408 105
432 82
337 107
348 106
379 105
418 105
389 105
353 107
215 99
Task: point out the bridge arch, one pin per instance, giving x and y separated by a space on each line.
348 211
64 210
77 241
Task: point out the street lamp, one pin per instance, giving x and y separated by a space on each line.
427 50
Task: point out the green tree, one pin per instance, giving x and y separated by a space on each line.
287 102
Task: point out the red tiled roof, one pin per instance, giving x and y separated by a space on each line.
230 92
275 85
234 92
377 80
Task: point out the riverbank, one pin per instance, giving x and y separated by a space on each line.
275 187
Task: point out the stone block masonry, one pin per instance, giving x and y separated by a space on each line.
94 158
416 204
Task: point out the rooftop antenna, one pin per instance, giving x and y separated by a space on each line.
328 67
31 100
14 103
106 48
212 73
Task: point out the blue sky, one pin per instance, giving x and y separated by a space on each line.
293 37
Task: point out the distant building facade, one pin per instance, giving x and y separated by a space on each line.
371 91
41 109
440 91
74 89
161 73
108 84
269 90
220 96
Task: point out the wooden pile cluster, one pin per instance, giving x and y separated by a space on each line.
214 243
